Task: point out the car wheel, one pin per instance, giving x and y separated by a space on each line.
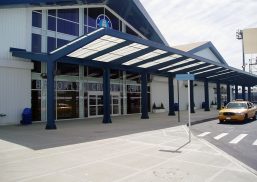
246 118
254 117
221 121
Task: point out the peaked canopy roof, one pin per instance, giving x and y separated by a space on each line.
117 50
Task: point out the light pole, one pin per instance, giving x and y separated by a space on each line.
239 36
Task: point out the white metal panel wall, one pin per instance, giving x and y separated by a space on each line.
15 93
15 31
15 75
208 54
159 92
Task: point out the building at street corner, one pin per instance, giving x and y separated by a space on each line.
103 54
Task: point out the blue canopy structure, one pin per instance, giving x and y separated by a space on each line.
110 49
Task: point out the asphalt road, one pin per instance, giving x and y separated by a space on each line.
238 140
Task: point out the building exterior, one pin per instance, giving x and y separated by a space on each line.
43 26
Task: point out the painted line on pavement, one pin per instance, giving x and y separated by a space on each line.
204 134
220 136
255 143
238 138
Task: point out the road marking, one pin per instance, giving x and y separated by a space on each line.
238 138
220 136
255 143
204 134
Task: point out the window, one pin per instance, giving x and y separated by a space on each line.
37 19
52 20
36 43
51 44
67 69
68 21
114 19
93 13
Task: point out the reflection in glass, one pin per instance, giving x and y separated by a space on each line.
85 105
92 99
133 103
67 69
115 109
36 105
100 99
67 104
92 110
100 110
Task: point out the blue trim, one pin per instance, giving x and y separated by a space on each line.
21 53
50 96
213 50
218 96
106 96
60 53
171 97
144 100
206 96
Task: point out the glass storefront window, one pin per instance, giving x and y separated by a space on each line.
67 27
93 13
37 18
37 67
51 44
61 42
85 16
67 69
113 19
51 20
36 43
95 72
131 32
135 77
67 104
133 103
36 100
68 14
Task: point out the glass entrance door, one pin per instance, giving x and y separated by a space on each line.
96 107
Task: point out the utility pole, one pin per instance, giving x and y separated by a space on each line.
239 36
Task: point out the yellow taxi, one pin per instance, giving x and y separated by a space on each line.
238 110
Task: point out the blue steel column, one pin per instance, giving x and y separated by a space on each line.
218 96
206 96
236 92
228 93
171 97
144 102
243 92
249 94
192 109
106 96
50 96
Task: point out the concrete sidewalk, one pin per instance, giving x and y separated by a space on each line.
129 149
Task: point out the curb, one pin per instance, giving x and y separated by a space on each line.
202 121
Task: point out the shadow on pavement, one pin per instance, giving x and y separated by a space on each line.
91 129
79 131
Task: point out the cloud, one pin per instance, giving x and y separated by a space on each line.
183 21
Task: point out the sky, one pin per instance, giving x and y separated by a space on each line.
188 21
